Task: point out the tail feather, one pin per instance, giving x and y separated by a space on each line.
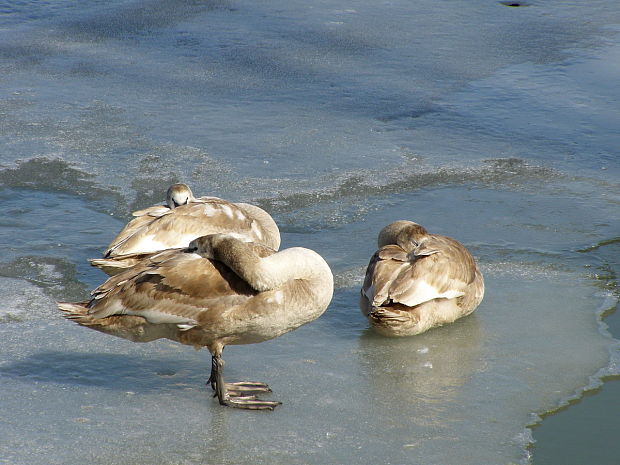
132 327
386 316
76 311
72 309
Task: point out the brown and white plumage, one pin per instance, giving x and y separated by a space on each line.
217 292
416 281
183 219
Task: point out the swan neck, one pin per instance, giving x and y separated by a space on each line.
271 272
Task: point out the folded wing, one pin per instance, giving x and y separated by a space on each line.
439 268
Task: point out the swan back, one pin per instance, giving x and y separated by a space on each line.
271 231
185 218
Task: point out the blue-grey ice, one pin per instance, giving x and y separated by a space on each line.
495 125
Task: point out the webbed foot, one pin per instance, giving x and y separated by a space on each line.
240 394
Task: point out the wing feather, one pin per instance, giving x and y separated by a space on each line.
173 286
177 227
439 268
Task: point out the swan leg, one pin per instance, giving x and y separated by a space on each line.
234 389
211 380
238 395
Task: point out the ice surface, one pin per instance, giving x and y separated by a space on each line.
494 125
249 87
22 301
469 388
466 388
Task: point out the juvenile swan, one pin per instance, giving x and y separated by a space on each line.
218 291
417 281
182 219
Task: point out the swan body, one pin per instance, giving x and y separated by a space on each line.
218 291
183 219
417 280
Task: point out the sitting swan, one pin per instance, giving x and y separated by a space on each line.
417 281
185 218
218 291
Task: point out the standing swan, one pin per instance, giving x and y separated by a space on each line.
183 218
417 281
218 291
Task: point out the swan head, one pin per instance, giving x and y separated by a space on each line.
204 245
406 234
207 246
179 194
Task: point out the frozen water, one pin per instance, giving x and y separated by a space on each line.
23 301
466 388
494 125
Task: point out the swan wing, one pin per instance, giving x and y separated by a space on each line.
384 267
180 225
439 268
155 211
172 287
